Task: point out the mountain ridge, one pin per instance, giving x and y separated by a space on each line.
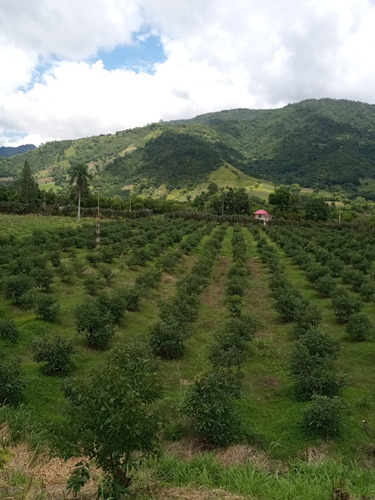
324 143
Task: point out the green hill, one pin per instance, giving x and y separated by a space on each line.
326 143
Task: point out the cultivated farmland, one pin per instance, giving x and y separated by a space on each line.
262 340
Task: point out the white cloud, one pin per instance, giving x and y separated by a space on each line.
220 55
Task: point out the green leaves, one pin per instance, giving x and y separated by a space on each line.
111 418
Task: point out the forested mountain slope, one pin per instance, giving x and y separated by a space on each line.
322 142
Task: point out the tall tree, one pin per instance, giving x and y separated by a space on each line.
26 186
79 177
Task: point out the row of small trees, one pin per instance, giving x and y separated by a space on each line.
211 400
313 363
168 334
323 277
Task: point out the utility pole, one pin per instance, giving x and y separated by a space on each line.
97 240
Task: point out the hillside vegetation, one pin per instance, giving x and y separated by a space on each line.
322 143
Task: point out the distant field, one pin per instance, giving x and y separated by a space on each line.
227 176
23 225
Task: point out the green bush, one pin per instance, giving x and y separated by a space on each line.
55 352
42 278
167 339
227 350
8 330
313 366
16 286
94 283
286 303
244 326
11 381
306 316
210 404
106 272
324 416
95 323
344 305
359 327
234 305
112 420
46 307
132 298
325 285
65 272
367 290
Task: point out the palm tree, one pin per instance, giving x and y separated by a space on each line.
80 177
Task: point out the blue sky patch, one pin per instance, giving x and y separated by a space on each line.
141 56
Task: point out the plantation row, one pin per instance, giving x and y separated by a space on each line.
313 361
326 258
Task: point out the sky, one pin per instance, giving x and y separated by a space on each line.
71 69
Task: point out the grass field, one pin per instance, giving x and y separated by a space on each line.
274 460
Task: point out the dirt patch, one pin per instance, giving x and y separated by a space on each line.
87 271
242 455
197 494
186 449
315 456
212 295
167 278
254 267
184 382
46 476
269 383
45 180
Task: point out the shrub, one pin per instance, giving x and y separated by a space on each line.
112 304
306 316
106 272
55 352
132 297
167 339
55 259
236 286
286 303
367 290
244 326
94 283
15 286
325 285
359 327
344 305
46 307
8 330
65 272
42 278
210 404
324 416
93 259
234 305
148 279
95 323
111 418
227 350
316 271
313 367
11 381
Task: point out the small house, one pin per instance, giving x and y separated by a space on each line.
262 215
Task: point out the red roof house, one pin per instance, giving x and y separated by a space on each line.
262 215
